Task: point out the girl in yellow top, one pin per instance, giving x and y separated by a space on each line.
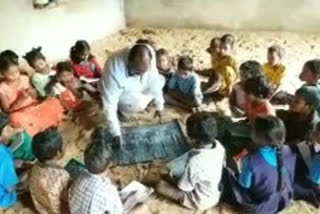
226 65
273 69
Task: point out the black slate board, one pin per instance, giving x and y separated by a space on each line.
151 142
75 168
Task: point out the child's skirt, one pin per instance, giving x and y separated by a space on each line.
38 117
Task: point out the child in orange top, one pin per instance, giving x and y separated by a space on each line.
238 98
73 92
226 65
273 69
258 90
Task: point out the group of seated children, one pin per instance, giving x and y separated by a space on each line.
36 103
280 163
264 181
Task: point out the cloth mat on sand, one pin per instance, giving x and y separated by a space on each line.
151 142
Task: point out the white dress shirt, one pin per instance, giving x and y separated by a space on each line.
121 88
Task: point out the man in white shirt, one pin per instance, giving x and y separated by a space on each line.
129 83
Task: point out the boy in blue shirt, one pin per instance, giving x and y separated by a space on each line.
8 176
184 87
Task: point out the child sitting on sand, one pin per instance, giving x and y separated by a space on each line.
184 86
164 64
310 75
18 98
301 116
307 179
8 175
85 64
72 92
43 77
258 90
214 51
49 183
197 186
265 183
17 139
226 65
274 70
237 101
92 192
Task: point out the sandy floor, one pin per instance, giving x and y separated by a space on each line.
249 45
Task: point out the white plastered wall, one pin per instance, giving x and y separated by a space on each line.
56 29
289 15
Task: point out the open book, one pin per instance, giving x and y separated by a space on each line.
134 193
89 80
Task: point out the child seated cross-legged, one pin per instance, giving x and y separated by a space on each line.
238 98
184 86
92 192
49 183
310 75
85 64
225 71
43 78
164 63
258 91
19 99
17 139
226 65
196 186
214 51
71 91
265 182
301 116
307 179
274 70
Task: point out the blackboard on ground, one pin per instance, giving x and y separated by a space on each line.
151 142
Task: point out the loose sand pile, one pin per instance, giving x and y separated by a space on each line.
249 45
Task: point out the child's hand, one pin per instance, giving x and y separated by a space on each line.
32 93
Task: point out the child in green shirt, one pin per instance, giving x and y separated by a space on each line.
18 140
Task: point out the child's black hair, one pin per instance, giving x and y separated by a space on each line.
314 66
6 62
251 68
64 66
271 131
4 121
277 49
258 86
203 128
47 144
215 41
79 48
32 56
11 55
96 155
149 42
185 63
162 52
310 95
137 50
228 39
